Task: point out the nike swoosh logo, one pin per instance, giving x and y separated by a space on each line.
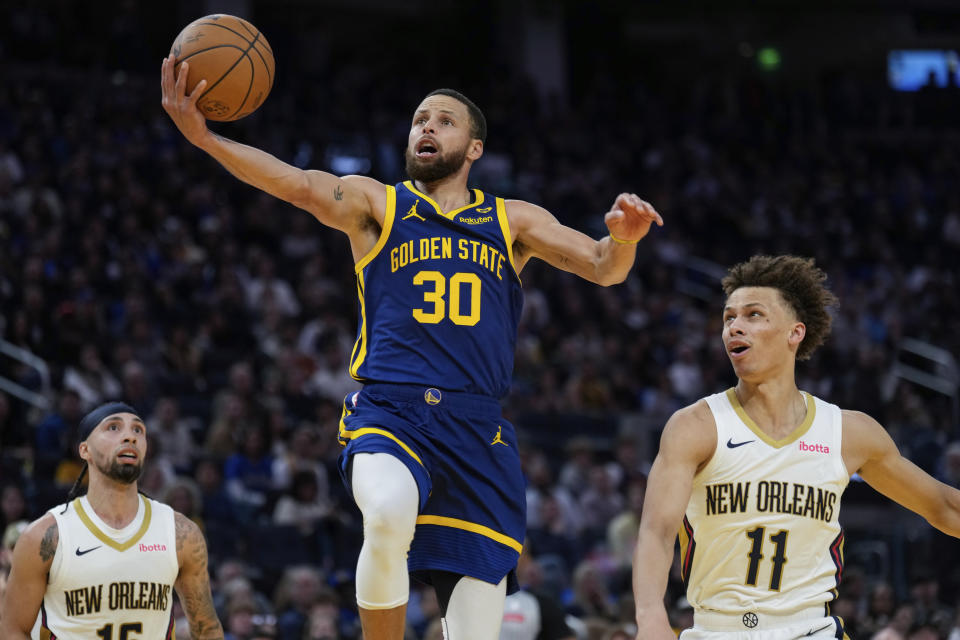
80 553
733 445
810 633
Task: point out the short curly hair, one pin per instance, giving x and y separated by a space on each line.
800 282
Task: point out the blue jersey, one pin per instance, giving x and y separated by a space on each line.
440 298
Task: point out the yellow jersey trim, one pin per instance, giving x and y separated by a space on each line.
341 438
107 540
505 228
388 217
365 431
359 353
684 539
477 194
795 435
473 527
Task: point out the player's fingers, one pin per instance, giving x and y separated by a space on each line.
166 77
621 201
197 92
652 213
614 215
182 79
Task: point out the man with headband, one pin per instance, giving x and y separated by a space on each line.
104 565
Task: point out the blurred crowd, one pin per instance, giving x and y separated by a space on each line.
136 268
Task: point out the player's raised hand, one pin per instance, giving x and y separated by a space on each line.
629 218
181 107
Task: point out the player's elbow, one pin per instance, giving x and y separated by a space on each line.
946 517
609 278
298 189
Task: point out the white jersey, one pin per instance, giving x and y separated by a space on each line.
760 539
110 584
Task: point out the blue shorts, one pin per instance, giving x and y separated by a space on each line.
463 456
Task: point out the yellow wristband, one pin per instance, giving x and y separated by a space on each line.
619 241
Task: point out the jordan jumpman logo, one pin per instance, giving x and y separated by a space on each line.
497 439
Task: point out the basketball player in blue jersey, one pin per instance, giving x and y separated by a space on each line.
105 565
752 478
429 460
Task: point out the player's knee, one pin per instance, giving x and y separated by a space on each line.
389 524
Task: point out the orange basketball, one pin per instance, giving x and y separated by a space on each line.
235 60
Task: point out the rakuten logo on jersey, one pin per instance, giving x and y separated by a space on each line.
816 447
152 547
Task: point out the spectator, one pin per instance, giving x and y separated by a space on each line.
323 619
248 473
55 432
167 425
551 536
575 474
216 504
591 598
299 590
91 379
622 529
304 508
183 495
13 505
529 614
600 502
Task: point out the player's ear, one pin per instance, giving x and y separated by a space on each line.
84 451
797 333
475 150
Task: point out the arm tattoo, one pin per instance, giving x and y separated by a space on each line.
48 546
338 193
193 583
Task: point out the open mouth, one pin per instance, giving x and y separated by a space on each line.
129 456
737 349
426 149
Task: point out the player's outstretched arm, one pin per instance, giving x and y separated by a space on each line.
868 449
537 233
193 581
32 557
688 442
341 203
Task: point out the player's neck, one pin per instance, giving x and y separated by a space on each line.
775 404
114 503
449 193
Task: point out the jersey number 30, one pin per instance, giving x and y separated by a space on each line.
435 296
779 558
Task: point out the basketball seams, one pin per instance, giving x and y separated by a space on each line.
223 26
198 51
246 96
257 40
246 25
263 59
245 54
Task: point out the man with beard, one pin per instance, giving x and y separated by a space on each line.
428 458
104 565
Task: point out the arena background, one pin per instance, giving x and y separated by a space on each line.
132 265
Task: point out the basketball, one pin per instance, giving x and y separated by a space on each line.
235 60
